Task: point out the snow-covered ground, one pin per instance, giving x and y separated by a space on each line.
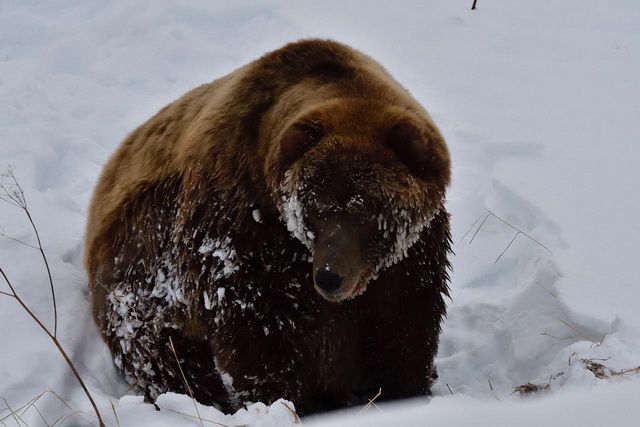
539 102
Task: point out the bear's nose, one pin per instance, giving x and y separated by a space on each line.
327 280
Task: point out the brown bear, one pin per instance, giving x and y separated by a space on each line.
283 229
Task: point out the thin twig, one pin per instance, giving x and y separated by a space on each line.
507 248
546 334
295 414
41 416
184 378
371 401
596 344
517 229
19 200
474 5
450 391
479 228
15 196
18 241
548 291
472 225
13 414
55 341
115 414
200 419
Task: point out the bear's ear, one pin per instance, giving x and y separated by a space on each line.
296 140
418 149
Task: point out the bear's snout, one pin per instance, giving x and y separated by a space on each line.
338 261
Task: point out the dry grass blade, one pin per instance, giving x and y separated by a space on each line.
602 372
450 391
199 418
371 402
18 241
41 416
293 412
530 388
626 371
518 233
16 417
472 225
115 414
63 418
598 369
592 341
546 334
545 288
184 378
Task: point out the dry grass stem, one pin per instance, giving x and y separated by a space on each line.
518 233
201 419
602 372
184 378
293 412
531 388
594 343
371 402
13 191
545 288
450 391
16 417
14 195
115 414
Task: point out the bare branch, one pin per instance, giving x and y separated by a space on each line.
473 7
14 192
55 341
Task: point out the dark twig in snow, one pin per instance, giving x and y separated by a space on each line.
18 241
295 414
15 196
115 414
518 233
186 384
472 226
13 192
474 5
450 391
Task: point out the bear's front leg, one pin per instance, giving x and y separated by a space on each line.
257 349
402 325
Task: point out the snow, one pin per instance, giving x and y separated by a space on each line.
538 102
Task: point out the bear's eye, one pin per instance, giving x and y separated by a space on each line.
412 145
297 139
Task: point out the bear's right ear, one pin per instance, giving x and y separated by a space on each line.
296 140
421 149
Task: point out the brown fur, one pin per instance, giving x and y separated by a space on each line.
175 247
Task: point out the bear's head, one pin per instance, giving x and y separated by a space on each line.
357 182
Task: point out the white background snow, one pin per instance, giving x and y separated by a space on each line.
538 100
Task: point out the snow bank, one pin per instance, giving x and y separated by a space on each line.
537 100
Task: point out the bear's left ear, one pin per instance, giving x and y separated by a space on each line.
421 149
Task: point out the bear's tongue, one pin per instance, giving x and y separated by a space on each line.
337 260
